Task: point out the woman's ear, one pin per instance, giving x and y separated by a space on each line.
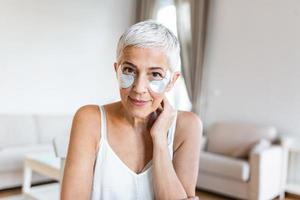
175 76
116 67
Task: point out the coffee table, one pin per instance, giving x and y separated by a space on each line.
44 163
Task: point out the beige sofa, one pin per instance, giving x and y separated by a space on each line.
22 134
243 161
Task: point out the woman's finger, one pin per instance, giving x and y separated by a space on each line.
193 198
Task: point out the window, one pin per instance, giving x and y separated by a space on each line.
166 15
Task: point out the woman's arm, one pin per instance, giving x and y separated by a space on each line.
165 181
78 173
187 155
177 180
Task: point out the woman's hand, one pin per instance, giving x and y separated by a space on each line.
193 198
163 118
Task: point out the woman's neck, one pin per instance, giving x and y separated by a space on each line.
138 124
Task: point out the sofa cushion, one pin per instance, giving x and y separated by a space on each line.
224 166
17 130
49 126
237 139
12 158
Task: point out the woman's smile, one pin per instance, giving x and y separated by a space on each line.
138 102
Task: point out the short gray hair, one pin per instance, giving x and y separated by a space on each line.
150 34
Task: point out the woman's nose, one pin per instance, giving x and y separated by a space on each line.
140 85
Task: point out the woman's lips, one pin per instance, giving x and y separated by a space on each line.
138 102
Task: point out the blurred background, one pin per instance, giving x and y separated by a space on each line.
240 63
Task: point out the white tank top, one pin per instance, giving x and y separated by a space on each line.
113 180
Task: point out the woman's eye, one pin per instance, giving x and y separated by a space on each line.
128 71
157 75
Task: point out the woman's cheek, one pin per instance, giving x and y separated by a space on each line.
157 99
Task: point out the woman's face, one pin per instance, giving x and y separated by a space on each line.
145 77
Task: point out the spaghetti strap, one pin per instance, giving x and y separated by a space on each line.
103 123
171 131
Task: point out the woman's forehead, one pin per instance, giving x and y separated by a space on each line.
145 58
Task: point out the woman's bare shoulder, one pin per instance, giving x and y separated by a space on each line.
87 115
86 123
188 125
82 152
185 119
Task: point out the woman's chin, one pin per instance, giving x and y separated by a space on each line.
139 113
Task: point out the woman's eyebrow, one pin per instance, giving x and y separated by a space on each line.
129 63
153 68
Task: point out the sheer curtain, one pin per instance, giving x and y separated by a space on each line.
146 9
191 27
166 15
164 11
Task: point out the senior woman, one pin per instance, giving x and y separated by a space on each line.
139 147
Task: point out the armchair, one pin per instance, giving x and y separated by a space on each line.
243 161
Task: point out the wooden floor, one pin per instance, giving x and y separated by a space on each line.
10 192
210 196
202 194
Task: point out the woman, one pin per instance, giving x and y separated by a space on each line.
139 147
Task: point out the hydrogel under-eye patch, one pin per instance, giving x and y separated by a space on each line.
125 80
158 86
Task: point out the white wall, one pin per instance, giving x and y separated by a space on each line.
252 65
56 55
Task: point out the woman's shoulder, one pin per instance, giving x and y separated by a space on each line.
86 113
87 119
188 125
188 120
91 113
86 122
